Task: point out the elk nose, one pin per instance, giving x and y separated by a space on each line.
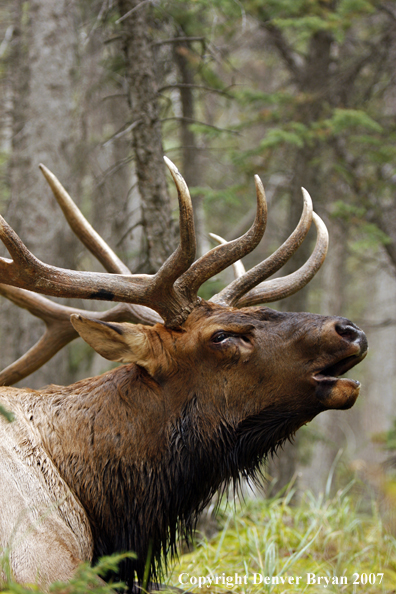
347 330
350 332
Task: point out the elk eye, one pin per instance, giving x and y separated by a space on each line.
220 337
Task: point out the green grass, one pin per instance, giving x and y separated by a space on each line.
326 537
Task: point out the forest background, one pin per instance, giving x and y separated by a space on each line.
301 92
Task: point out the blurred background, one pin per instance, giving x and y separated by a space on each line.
301 92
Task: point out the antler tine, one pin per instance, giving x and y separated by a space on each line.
240 286
224 255
279 288
37 305
59 331
176 264
184 255
238 267
44 349
82 228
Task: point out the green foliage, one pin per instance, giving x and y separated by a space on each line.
229 195
86 579
311 16
277 136
346 120
347 212
369 236
327 537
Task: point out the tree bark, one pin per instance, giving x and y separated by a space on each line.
191 155
141 85
42 66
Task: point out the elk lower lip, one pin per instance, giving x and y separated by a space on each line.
333 391
338 393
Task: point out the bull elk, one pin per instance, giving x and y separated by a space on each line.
126 461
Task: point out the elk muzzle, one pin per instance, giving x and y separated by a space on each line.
347 346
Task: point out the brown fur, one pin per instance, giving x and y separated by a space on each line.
144 447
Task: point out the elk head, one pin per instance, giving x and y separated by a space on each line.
184 324
243 363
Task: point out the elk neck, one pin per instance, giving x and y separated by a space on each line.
124 444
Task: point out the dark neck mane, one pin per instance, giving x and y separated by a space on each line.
135 503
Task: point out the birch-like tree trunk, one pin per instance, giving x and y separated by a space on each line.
42 65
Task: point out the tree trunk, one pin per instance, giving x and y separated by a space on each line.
41 66
191 155
141 85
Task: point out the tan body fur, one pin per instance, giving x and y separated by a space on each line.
44 530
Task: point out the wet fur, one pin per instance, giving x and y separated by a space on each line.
146 505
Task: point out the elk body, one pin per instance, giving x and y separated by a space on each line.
128 460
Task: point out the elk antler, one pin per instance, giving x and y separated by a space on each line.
279 288
27 272
170 293
238 267
244 283
241 291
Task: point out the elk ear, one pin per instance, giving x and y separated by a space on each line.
126 343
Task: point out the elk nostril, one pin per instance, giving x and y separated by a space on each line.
348 331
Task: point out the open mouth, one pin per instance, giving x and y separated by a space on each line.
335 370
334 391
